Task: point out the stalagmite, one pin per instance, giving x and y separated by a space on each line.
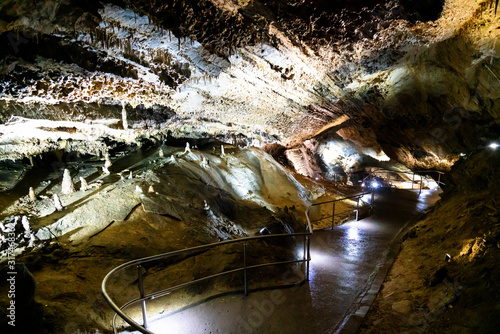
124 117
204 162
26 225
67 183
57 203
130 176
138 189
222 154
32 195
84 186
160 153
107 163
151 189
188 149
32 240
172 158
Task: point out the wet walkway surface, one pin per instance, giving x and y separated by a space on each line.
348 265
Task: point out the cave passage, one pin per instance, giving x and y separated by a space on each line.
348 265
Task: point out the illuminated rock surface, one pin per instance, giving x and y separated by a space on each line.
329 89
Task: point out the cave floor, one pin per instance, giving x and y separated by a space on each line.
348 266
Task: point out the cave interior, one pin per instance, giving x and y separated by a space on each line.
135 128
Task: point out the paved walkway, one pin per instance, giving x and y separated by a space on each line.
348 267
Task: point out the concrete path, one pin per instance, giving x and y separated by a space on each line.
348 267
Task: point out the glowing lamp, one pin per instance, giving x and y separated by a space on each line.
493 146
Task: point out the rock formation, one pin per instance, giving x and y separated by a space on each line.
83 184
57 203
31 195
67 186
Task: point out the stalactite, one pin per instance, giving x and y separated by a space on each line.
124 117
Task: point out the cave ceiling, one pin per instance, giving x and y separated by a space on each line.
418 81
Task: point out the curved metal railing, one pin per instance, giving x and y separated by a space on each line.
139 265
358 197
413 173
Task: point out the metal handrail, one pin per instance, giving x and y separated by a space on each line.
388 171
427 171
358 196
139 262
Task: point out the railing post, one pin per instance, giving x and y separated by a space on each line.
245 267
333 215
372 201
413 181
308 257
439 179
141 291
421 180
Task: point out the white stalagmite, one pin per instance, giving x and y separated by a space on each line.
151 189
204 162
57 203
32 240
160 153
124 117
172 158
138 189
107 163
32 195
188 149
130 176
84 186
67 183
26 225
222 154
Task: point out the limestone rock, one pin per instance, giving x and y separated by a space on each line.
67 183
32 196
83 184
57 203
